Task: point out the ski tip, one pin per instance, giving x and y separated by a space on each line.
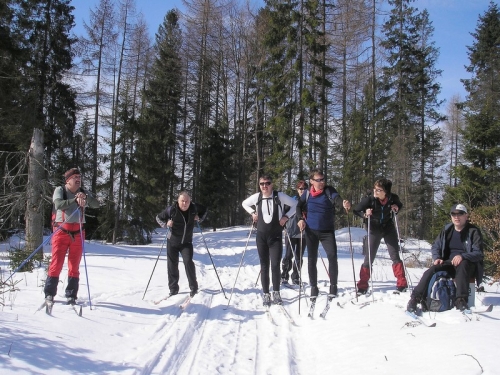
481 309
80 312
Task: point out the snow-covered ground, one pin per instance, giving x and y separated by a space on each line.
122 333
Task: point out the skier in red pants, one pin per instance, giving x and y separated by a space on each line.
380 207
69 203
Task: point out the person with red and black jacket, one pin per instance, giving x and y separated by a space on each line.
316 212
380 208
180 218
70 201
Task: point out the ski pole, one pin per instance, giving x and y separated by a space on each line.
258 277
399 246
208 251
324 264
370 258
159 253
39 247
300 271
84 259
241 262
352 252
296 265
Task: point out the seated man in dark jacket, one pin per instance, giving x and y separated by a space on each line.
458 250
180 218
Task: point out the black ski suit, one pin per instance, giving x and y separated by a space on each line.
180 240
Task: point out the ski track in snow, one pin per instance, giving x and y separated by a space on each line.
124 334
181 334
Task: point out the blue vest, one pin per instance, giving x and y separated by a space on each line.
320 212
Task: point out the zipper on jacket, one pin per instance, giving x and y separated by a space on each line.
185 227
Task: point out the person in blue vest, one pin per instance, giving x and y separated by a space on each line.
458 249
316 211
380 208
266 209
295 244
180 218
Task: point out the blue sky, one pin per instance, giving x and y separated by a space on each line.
453 21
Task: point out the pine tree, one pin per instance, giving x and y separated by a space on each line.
217 171
43 29
154 162
11 131
409 109
279 73
480 174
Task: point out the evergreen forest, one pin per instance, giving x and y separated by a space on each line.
227 91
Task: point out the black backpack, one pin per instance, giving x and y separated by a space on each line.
441 292
276 200
330 192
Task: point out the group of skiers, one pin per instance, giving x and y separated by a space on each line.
308 219
314 217
458 249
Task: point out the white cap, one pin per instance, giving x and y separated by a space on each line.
458 207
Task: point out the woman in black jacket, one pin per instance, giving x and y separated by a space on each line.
380 208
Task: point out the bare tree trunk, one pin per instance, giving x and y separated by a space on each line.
116 108
34 202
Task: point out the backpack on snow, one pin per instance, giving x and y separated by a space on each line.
441 292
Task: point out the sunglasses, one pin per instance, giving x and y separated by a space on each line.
457 214
265 183
318 179
378 190
301 189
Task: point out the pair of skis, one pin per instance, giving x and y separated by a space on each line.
325 310
467 314
479 309
50 304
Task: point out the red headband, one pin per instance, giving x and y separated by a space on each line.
70 173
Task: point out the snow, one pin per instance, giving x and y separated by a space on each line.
122 333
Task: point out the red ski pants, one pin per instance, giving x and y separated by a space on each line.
62 243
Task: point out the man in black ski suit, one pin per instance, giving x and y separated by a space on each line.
266 209
180 218
458 250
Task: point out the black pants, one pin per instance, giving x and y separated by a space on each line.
327 238
186 250
390 236
462 274
51 283
295 251
270 249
